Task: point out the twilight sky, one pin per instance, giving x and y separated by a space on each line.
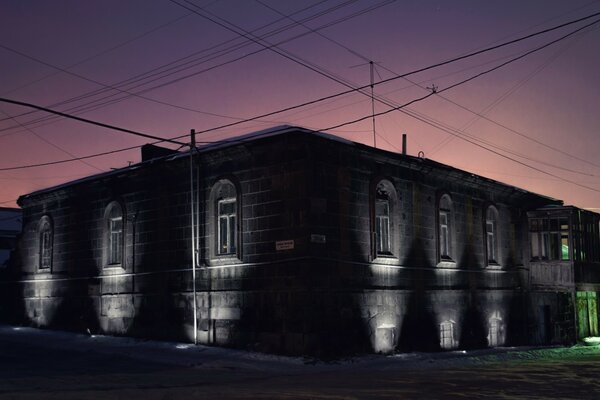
160 68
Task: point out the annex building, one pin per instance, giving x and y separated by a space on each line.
299 242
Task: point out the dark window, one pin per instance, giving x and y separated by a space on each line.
445 228
385 236
491 233
549 238
45 237
382 226
227 227
114 234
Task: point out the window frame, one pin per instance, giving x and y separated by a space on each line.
492 250
385 235
45 233
224 190
447 342
114 239
231 236
445 228
547 235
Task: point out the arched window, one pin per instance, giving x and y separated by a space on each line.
491 234
384 219
445 218
225 205
45 243
114 235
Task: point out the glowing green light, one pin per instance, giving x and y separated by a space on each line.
592 341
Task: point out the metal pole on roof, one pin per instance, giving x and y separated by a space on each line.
192 207
373 102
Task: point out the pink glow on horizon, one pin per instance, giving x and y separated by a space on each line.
551 96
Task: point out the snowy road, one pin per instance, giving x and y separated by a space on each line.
38 364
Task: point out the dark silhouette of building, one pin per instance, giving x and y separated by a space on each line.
10 227
305 243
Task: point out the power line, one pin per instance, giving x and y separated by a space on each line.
303 104
399 76
89 121
152 74
52 144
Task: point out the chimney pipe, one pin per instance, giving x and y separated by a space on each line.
404 144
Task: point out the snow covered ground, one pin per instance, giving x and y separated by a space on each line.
37 364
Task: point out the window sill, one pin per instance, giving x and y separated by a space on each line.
446 263
388 259
493 265
224 260
111 269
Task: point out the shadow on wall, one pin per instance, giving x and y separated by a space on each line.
12 304
299 308
419 332
73 297
158 300
474 329
516 324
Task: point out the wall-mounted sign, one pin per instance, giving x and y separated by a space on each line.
284 245
318 238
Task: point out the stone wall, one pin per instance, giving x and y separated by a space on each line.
324 292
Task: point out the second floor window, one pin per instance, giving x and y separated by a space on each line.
113 235
445 228
115 240
549 238
45 235
491 233
227 226
382 226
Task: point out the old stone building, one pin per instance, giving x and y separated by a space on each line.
10 227
293 241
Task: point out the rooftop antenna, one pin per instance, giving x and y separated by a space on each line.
372 75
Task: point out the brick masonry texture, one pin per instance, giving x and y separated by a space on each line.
326 296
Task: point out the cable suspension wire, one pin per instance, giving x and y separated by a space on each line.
403 75
161 74
89 121
399 107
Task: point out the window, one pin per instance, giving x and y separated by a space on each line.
384 220
447 335
226 226
549 238
586 246
496 331
491 233
445 228
114 236
382 226
45 243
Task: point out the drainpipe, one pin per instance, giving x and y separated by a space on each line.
193 221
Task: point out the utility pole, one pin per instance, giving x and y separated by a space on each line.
193 223
372 67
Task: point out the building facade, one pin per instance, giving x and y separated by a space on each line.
298 242
10 227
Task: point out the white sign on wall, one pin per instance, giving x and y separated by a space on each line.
284 245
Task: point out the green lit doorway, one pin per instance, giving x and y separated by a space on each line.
587 314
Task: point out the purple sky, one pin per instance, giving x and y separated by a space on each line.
541 111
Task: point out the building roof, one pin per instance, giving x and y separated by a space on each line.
420 163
